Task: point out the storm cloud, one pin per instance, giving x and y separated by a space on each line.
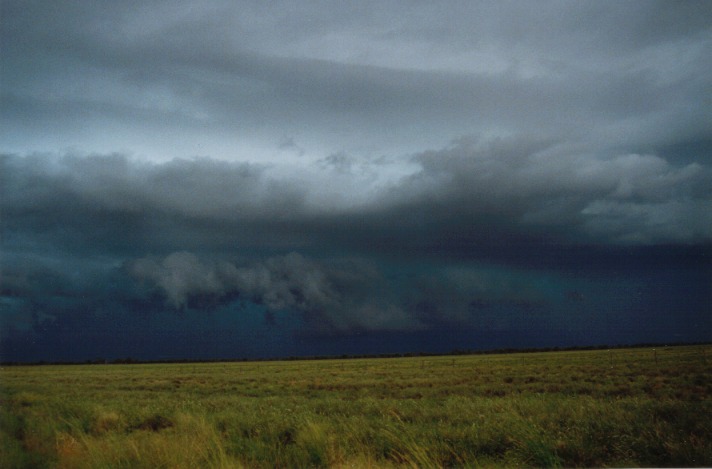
382 176
472 190
333 298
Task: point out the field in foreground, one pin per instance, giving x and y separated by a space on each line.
630 407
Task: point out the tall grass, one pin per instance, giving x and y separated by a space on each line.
574 409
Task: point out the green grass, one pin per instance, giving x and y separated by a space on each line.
631 407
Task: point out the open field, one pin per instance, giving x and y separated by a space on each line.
627 407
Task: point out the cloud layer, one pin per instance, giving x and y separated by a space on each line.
379 79
353 178
470 192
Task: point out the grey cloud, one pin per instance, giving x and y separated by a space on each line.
182 275
288 144
156 65
533 185
326 130
113 204
340 162
346 166
334 298
341 296
91 195
476 192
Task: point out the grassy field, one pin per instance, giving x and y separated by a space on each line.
628 407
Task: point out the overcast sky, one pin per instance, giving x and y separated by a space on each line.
250 179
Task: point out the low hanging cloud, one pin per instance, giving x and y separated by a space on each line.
349 295
333 298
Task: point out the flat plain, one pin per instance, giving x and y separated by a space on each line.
621 407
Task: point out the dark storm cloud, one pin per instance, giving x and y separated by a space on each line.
504 199
528 186
473 192
574 195
110 202
334 297
479 194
